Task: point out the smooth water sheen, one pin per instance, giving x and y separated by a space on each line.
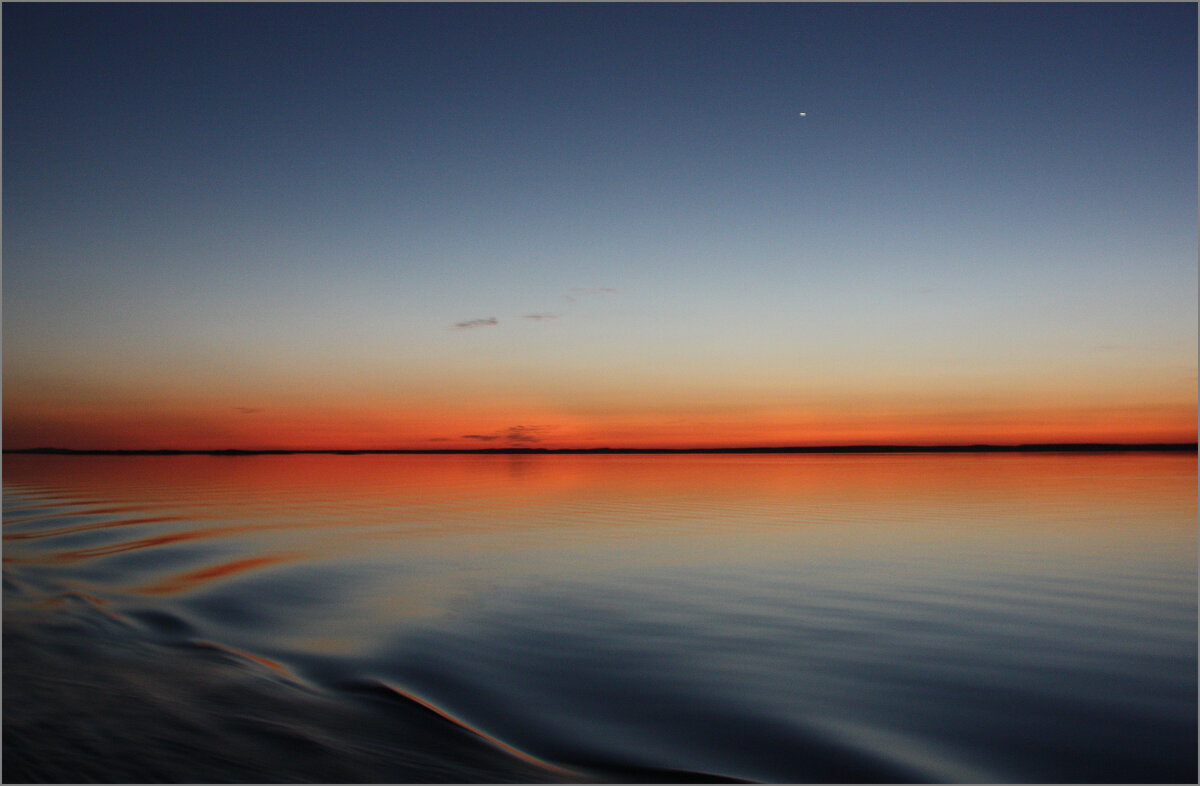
926 617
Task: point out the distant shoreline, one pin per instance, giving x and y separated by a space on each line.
1057 447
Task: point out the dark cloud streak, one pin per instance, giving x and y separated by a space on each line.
474 323
522 434
513 435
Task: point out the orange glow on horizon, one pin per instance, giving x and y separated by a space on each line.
381 428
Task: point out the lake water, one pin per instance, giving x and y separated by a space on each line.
830 618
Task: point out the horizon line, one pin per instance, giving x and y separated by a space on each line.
1030 447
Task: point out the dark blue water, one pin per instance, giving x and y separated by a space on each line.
897 618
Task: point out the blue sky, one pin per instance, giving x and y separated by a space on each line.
980 199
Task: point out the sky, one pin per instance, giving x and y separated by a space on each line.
476 226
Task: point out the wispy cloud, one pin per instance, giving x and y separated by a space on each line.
514 435
578 292
540 316
474 323
523 433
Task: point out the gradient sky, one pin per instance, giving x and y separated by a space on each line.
457 226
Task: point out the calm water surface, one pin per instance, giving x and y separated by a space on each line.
769 618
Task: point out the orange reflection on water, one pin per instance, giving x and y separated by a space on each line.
572 510
67 556
336 487
106 524
389 537
273 665
190 580
491 740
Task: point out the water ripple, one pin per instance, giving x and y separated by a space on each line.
895 619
